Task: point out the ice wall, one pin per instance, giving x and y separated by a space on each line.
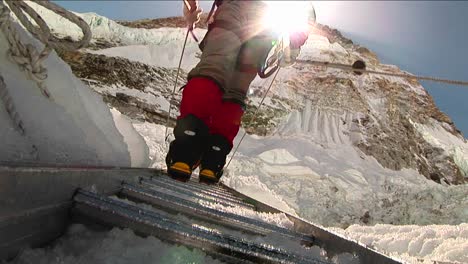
74 128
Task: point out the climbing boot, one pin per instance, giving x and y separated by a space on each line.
185 151
214 159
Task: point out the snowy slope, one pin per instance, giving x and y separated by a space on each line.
157 54
337 153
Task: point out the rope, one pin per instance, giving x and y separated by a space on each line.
350 68
278 68
189 31
10 107
28 58
166 135
356 69
254 116
190 27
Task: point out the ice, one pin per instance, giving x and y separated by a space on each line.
437 135
74 128
139 151
433 242
154 137
278 156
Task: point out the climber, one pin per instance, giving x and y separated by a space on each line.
213 100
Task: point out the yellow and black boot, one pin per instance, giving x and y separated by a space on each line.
185 151
214 159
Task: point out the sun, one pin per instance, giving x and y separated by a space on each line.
284 17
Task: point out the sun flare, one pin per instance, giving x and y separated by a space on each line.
285 17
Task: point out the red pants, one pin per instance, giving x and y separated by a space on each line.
202 98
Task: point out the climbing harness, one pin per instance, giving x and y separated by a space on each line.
26 55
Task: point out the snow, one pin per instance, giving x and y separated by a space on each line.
278 156
147 96
317 46
457 147
158 54
431 242
137 148
75 112
154 138
319 125
337 187
81 245
157 47
308 167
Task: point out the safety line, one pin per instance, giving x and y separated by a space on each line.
254 116
350 68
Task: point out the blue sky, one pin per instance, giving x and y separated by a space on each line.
422 37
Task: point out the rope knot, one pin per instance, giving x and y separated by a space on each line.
27 57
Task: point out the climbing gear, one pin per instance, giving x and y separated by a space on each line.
186 150
189 31
191 14
26 55
272 63
214 159
358 67
286 53
192 17
166 135
216 4
253 54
